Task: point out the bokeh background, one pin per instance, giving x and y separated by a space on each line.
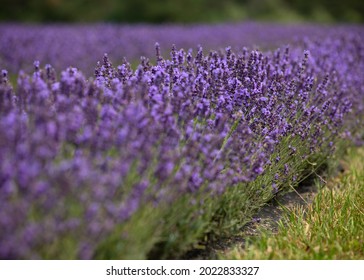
181 11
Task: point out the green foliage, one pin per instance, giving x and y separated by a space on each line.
166 232
185 11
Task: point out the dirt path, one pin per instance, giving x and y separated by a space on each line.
268 216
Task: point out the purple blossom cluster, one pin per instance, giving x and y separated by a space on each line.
79 157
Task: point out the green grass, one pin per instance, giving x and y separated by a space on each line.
332 227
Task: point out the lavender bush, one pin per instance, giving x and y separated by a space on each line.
150 159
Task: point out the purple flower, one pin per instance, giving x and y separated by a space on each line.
80 157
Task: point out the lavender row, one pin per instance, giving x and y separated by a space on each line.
81 46
79 157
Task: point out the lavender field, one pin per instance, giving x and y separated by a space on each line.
136 142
